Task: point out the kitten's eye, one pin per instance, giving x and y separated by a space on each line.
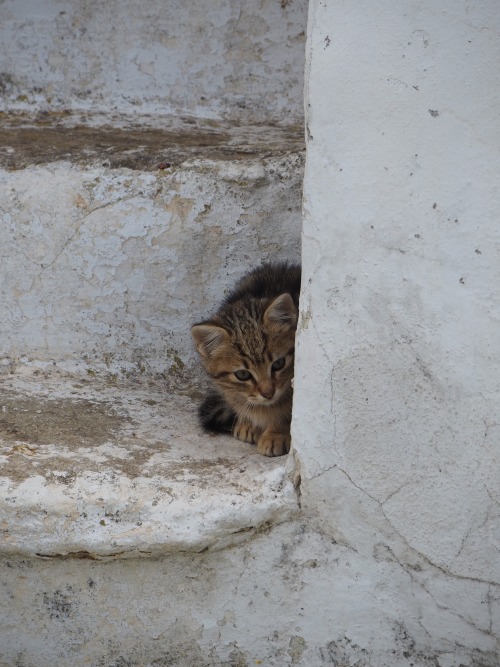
278 364
243 375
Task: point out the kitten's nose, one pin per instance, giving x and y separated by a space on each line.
266 390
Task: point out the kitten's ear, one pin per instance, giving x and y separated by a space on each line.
281 311
208 338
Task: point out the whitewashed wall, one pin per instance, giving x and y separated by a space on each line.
397 401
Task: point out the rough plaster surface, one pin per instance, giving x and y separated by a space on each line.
150 154
128 209
108 268
222 60
397 438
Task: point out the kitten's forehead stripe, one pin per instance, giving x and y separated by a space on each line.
247 335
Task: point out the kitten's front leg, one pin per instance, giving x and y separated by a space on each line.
273 442
246 432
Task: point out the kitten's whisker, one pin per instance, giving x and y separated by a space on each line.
241 414
244 412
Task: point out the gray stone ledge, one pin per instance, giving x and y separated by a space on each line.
100 470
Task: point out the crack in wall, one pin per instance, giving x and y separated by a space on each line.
411 549
79 224
415 581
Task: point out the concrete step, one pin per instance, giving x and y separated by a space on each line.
138 142
149 156
104 469
119 233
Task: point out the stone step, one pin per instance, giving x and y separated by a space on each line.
119 233
138 142
102 469
122 232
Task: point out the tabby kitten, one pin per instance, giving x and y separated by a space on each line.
247 349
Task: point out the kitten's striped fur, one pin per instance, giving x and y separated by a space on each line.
247 349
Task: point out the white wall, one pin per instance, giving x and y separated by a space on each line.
397 400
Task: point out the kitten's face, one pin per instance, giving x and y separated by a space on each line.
258 373
251 357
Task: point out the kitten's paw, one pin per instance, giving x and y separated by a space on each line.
245 432
273 443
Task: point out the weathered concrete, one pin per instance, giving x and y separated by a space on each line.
94 469
289 596
393 559
138 142
105 269
230 60
150 155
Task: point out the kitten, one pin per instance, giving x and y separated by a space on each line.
247 349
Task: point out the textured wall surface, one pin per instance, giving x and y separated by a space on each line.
397 389
231 60
106 259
